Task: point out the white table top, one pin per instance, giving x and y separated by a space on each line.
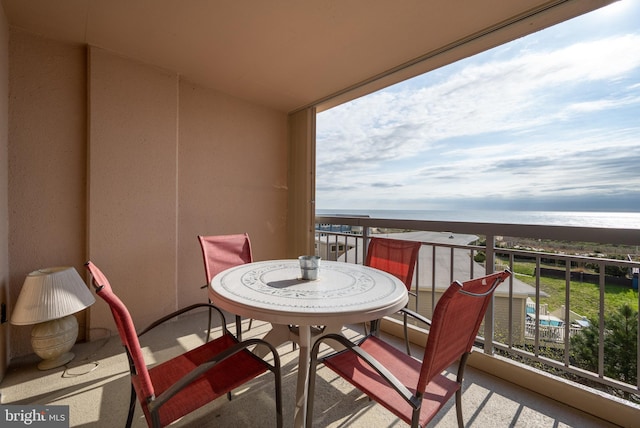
273 291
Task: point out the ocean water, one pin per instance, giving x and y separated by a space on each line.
618 220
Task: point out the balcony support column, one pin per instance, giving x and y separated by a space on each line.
301 183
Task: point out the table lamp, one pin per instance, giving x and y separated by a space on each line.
49 298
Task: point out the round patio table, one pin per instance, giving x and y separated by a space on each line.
273 291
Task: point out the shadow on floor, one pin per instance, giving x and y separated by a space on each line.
95 386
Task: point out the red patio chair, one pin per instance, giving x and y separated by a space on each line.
223 252
398 258
415 390
177 387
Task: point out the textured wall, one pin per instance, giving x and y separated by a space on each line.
121 162
47 162
132 182
232 178
4 174
170 160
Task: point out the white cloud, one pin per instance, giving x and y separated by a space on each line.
440 140
600 105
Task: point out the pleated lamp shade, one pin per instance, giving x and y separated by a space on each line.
49 294
48 299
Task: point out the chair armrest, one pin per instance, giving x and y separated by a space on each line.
415 315
204 367
367 358
180 312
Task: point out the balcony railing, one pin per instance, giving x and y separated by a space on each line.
548 333
461 250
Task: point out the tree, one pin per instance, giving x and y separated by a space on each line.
621 352
584 347
620 344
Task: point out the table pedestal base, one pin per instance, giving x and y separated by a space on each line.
305 336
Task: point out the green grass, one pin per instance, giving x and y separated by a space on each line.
584 297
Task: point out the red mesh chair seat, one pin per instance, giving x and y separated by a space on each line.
411 389
182 384
227 375
405 368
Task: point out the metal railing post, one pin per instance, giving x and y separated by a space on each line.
489 316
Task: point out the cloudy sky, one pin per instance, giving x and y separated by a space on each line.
548 122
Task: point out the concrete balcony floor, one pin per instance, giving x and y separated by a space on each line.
95 386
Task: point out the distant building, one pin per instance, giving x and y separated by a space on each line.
333 247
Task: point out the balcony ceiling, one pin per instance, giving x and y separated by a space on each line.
284 54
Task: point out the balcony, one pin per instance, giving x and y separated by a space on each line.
95 386
501 388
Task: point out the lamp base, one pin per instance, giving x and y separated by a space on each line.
52 341
52 363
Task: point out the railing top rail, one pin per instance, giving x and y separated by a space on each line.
571 233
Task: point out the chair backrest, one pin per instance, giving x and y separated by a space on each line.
127 331
394 256
455 323
224 251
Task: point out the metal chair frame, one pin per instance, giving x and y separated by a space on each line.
401 267
213 244
224 349
373 366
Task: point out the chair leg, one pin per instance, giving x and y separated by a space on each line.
461 366
293 342
406 335
132 407
311 388
239 328
239 336
209 324
277 373
459 408
375 328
